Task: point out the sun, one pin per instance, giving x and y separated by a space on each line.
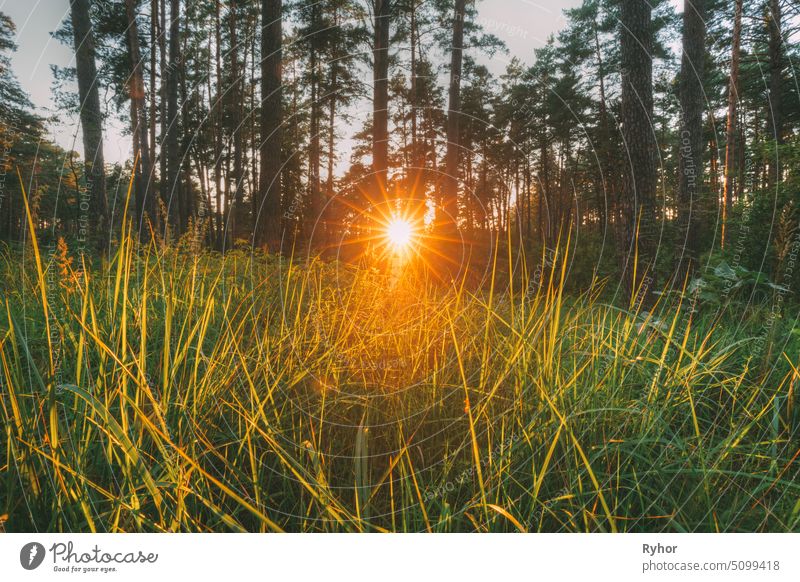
399 233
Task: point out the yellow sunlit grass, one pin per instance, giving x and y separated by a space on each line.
192 399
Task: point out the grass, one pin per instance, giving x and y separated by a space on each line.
174 391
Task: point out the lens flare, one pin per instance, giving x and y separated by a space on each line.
400 233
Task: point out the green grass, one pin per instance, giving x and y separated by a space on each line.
174 391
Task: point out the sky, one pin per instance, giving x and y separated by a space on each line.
522 24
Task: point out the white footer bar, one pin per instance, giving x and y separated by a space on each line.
334 558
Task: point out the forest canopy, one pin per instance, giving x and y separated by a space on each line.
667 137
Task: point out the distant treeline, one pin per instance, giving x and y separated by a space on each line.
663 139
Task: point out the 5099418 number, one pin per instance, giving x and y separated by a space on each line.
751 565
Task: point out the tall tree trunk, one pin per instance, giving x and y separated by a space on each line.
417 180
177 207
639 191
450 193
692 76
609 180
315 224
267 211
714 166
154 39
329 212
91 118
186 186
730 134
160 157
775 23
545 200
253 118
527 186
237 217
380 99
331 135
146 203
217 115
741 158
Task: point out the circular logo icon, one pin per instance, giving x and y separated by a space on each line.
31 555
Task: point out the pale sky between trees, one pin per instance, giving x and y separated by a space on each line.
522 24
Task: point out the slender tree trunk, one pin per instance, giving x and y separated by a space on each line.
205 197
154 38
730 134
329 209
690 166
639 193
160 157
528 201
217 113
714 167
417 181
267 212
91 119
177 211
609 183
775 24
253 109
237 216
184 100
450 194
315 223
146 203
741 150
545 202
380 111
331 134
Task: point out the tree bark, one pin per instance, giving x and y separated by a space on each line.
639 191
159 155
775 24
267 211
380 104
730 134
315 224
154 39
176 204
146 204
218 115
545 201
690 165
609 178
417 180
452 155
91 118
237 216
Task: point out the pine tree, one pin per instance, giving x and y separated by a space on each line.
450 207
639 228
91 117
267 207
691 203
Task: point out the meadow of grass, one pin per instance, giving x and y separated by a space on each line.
171 390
